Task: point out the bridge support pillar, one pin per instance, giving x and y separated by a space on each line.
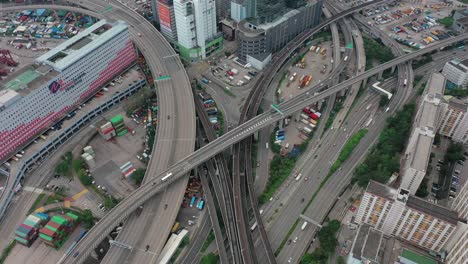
364 83
379 76
393 69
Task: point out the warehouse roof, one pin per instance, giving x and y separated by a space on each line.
82 44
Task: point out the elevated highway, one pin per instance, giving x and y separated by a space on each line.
178 170
176 126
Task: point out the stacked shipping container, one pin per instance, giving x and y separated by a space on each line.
27 232
57 229
119 125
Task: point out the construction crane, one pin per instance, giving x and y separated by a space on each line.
6 58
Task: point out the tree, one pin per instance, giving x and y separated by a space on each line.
383 100
437 139
341 260
87 218
319 256
138 176
454 152
210 258
62 168
78 164
422 190
84 178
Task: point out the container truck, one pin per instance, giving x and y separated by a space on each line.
313 116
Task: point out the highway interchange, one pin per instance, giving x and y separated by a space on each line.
181 145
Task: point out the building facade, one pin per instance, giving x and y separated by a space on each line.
197 29
457 72
460 204
458 250
60 80
163 13
417 221
257 41
454 122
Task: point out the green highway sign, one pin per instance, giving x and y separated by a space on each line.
276 108
164 77
349 46
108 9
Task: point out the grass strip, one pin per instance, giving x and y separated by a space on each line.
7 251
208 241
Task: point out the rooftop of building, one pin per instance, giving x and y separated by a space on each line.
82 44
419 156
434 210
381 190
367 244
454 102
29 78
460 65
463 20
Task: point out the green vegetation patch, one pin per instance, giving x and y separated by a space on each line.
328 243
446 21
348 148
376 51
280 168
208 241
7 251
384 158
210 258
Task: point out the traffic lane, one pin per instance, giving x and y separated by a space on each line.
326 198
318 168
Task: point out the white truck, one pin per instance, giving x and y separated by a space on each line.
235 71
247 78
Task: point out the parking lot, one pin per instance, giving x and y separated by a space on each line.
28 34
414 25
231 73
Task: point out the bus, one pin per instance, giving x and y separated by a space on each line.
253 226
405 82
201 204
192 202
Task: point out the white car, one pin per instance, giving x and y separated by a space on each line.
295 239
289 259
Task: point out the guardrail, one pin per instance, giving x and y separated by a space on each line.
27 164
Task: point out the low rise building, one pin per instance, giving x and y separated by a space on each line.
366 246
456 71
419 146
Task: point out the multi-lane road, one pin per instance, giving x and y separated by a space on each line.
149 189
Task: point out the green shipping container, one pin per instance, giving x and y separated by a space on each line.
45 237
74 217
59 220
117 119
21 234
22 240
51 228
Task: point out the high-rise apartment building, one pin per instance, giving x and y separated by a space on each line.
457 72
457 250
418 151
196 28
454 122
163 13
417 221
460 203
